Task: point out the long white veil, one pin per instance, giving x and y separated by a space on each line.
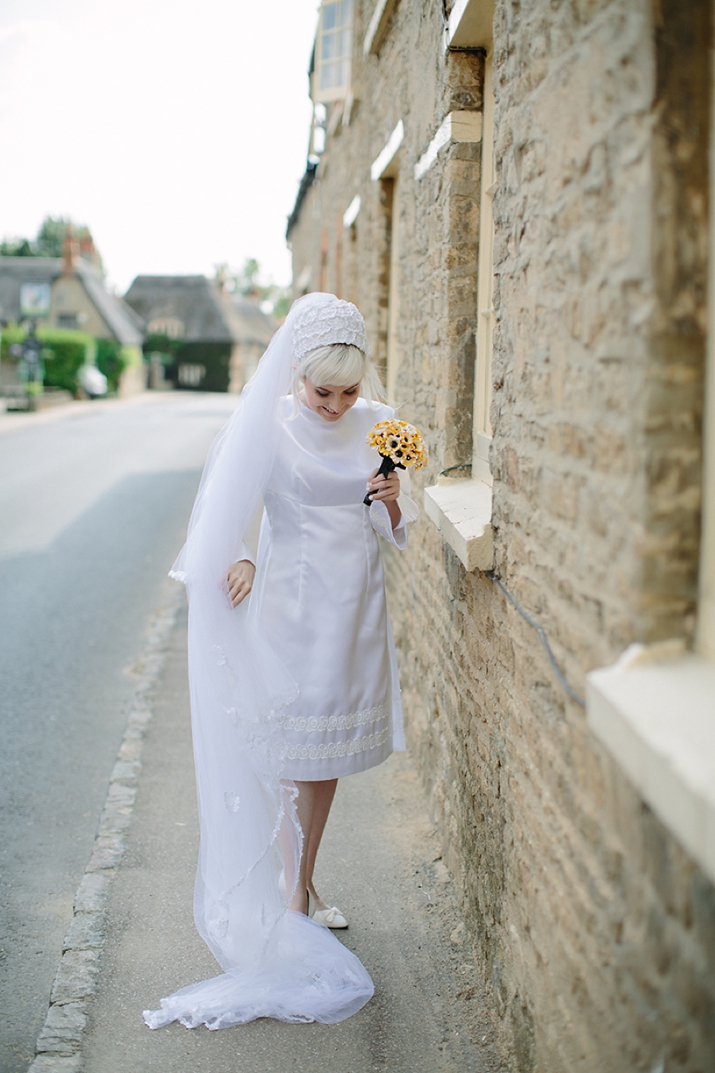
277 963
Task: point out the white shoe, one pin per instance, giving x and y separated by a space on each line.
329 918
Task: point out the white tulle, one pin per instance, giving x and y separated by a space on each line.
276 963
307 975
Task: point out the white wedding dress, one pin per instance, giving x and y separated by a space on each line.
320 597
299 682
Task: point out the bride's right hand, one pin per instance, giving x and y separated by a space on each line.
240 580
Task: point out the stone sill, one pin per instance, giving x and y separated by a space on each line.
462 511
658 721
470 24
377 26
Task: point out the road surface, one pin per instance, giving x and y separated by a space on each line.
94 502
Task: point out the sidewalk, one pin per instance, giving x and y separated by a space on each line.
380 863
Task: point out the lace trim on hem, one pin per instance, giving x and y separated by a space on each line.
341 748
310 724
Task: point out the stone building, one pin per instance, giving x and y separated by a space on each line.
216 338
516 196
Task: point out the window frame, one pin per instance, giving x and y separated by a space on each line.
333 93
705 634
481 426
654 709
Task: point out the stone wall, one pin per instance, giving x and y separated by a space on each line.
593 929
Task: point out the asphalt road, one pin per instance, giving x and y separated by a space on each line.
94 502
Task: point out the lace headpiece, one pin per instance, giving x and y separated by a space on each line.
328 320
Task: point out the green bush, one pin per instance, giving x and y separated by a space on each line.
111 360
64 352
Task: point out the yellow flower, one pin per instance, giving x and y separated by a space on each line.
401 442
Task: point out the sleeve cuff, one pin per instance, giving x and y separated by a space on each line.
380 521
244 553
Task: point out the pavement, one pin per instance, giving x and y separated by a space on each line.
135 941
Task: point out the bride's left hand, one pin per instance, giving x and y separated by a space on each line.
240 580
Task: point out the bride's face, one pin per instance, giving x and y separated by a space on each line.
328 400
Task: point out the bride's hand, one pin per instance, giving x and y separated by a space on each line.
384 489
240 580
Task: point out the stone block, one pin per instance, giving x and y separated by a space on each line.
126 770
76 977
85 932
62 1031
51 1063
92 893
107 852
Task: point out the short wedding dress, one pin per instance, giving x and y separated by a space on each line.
319 597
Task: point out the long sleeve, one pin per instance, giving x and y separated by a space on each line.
380 518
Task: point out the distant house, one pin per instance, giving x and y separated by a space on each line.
69 292
216 339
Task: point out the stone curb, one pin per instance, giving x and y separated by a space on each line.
59 1044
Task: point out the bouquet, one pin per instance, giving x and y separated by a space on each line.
401 445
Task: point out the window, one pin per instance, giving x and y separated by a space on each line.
191 375
333 51
385 169
482 429
393 312
67 320
169 326
461 508
655 708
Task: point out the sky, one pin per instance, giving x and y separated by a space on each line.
177 130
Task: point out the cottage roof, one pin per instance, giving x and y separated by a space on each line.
127 327
122 321
250 322
193 308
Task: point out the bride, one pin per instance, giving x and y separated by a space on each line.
296 687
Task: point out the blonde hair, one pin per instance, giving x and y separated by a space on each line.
339 365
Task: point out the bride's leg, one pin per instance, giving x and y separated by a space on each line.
305 807
324 792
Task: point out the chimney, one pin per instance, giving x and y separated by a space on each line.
221 280
87 249
70 252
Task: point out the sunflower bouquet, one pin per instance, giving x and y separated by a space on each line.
401 445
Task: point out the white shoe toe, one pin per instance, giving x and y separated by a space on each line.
330 918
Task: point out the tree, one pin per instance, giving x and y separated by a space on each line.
49 240
247 283
51 236
16 247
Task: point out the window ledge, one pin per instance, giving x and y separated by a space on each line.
462 511
658 721
470 24
455 127
378 25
